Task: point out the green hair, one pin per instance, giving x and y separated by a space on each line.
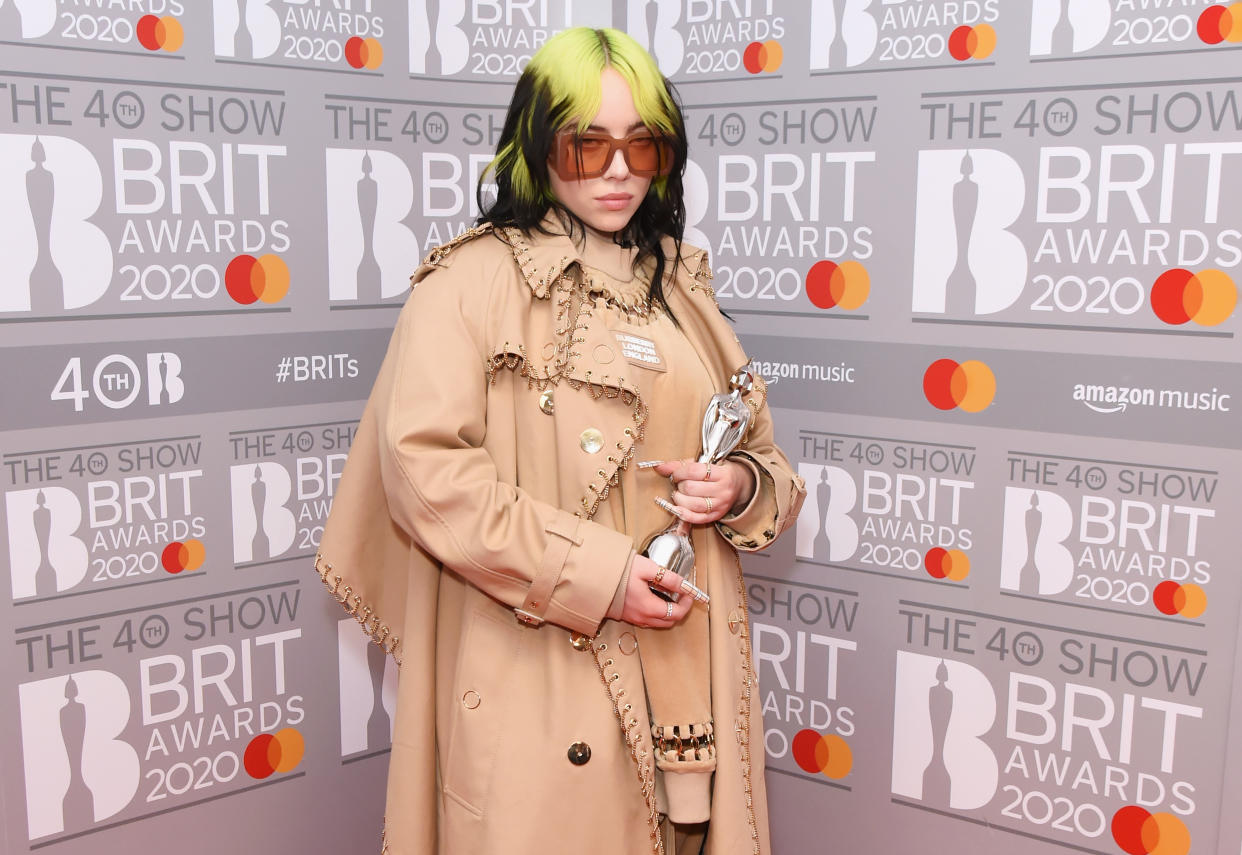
563 79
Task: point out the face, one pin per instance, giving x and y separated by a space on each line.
607 203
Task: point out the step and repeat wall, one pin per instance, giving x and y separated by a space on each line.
985 252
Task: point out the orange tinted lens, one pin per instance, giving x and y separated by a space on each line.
644 156
594 153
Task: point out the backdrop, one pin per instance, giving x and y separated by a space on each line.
984 251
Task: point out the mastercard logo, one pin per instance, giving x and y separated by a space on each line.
183 555
264 278
826 753
975 42
1221 24
947 564
364 53
968 386
1187 600
1208 297
268 753
1140 832
829 284
763 56
160 33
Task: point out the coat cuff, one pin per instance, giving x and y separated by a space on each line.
754 526
576 582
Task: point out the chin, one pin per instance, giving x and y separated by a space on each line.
610 221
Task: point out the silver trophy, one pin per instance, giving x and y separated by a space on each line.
725 422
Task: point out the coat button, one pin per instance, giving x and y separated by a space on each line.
471 699
579 753
591 440
546 403
578 641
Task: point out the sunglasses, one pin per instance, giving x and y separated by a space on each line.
577 156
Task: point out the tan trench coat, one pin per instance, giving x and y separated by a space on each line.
461 540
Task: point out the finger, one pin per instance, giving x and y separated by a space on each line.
678 470
697 510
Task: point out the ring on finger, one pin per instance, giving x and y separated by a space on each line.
668 610
708 499
707 476
659 576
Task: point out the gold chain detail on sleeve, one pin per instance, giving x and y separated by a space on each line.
362 612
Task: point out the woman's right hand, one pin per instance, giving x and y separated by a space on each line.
643 608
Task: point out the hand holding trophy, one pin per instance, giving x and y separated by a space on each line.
725 422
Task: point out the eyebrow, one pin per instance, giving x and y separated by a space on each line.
634 127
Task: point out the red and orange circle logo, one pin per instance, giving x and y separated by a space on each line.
364 53
947 564
975 42
1173 598
268 753
968 386
1140 832
183 555
1221 24
264 278
829 284
763 56
827 753
155 33
1208 297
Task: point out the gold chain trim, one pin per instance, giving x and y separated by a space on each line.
437 255
683 743
702 277
743 709
362 612
632 730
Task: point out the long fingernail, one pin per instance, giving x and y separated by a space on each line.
669 506
649 464
698 593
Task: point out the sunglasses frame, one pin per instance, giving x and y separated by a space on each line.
565 157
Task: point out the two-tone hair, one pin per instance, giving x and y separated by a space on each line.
559 87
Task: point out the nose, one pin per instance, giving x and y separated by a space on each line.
619 168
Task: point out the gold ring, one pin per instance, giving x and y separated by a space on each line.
668 610
709 503
655 580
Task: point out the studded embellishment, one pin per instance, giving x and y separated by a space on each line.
591 440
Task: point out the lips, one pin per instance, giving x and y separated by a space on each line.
615 201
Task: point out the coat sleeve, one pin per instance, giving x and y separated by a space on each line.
779 490
442 484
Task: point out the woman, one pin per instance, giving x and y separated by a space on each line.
486 529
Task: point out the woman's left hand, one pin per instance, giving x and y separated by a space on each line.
705 492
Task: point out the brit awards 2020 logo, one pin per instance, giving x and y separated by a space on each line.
914 500
133 27
890 34
339 36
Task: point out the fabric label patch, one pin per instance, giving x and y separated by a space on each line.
640 351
